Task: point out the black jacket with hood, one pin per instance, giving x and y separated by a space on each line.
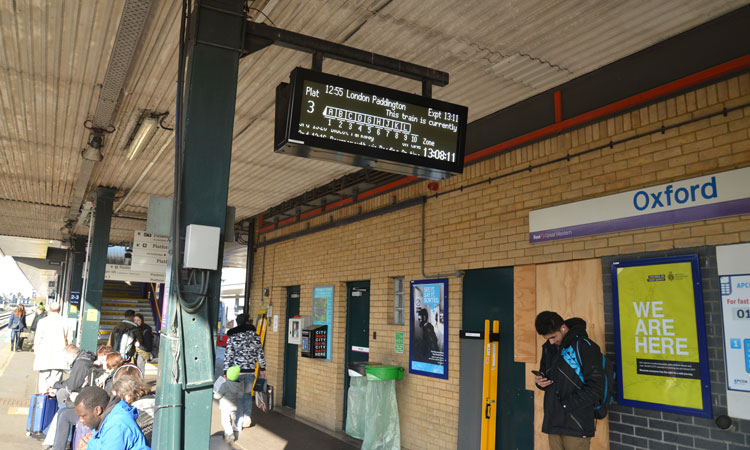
569 402
79 370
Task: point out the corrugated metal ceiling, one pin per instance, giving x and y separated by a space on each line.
53 58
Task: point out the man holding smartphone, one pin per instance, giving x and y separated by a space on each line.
571 376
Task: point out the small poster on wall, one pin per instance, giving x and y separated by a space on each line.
662 361
322 313
428 336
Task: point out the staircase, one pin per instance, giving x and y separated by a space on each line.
118 297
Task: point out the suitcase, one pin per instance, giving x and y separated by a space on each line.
80 431
42 409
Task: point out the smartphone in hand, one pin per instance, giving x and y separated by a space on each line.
538 373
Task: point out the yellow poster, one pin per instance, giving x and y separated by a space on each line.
659 338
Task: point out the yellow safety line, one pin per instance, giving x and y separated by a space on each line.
5 356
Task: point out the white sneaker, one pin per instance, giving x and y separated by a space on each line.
247 422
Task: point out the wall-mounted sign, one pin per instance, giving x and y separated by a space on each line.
428 337
399 344
733 267
336 119
735 306
660 335
322 313
75 298
149 252
719 195
118 272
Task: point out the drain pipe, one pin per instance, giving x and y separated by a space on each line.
458 273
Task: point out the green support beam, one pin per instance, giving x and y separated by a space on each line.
186 355
78 258
97 261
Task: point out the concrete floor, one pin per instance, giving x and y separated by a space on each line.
272 431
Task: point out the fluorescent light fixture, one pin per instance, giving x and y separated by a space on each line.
141 135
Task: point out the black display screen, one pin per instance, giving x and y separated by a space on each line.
343 120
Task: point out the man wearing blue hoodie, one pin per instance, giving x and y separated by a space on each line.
113 421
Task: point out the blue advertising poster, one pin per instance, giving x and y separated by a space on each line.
428 337
322 313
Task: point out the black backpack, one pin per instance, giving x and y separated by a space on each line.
610 385
148 340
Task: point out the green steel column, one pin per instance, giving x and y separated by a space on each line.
78 249
97 262
186 355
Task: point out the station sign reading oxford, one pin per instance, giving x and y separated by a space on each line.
660 335
336 119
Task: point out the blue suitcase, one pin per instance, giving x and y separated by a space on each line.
42 409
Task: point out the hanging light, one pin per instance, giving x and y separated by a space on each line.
141 134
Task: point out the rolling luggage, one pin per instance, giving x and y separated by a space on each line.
42 409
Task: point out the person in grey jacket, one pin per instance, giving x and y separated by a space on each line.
227 390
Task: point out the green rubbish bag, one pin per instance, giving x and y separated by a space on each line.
383 431
355 407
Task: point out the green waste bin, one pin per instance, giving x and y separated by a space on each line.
382 430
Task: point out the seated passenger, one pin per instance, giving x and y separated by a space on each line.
113 421
137 394
81 362
112 362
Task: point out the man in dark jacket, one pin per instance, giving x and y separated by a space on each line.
80 369
120 331
245 350
573 381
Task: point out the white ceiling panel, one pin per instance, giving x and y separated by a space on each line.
54 57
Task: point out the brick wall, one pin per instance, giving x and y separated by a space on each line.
635 428
479 220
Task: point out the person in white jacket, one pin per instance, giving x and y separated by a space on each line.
53 334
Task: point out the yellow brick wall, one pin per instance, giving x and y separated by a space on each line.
486 225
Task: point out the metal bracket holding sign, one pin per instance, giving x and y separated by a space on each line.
660 335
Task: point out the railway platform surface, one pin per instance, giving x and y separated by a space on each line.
277 430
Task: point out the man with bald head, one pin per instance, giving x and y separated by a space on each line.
53 334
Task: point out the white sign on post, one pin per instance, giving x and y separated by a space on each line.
735 305
733 266
149 252
118 272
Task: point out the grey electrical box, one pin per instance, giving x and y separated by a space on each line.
201 247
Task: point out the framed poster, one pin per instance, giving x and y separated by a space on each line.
322 313
428 328
660 335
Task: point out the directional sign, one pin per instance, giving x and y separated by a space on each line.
149 252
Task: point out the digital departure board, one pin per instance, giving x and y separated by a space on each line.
323 116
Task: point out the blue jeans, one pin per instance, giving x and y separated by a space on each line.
15 339
244 399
